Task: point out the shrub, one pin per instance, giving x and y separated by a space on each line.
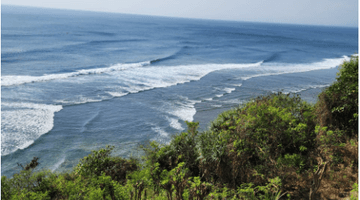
337 107
162 159
27 184
337 129
100 161
254 142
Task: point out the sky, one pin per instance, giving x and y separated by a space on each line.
311 12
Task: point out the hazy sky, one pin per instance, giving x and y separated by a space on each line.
316 12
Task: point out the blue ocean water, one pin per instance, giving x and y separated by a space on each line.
75 81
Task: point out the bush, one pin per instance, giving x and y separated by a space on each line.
100 161
27 184
162 159
254 142
337 129
337 107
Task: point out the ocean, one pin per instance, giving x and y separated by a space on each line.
76 81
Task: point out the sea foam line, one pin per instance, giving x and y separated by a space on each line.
287 91
53 108
280 68
142 79
285 68
18 80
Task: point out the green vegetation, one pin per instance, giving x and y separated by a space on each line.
274 147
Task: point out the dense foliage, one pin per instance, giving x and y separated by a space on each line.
338 104
270 133
273 147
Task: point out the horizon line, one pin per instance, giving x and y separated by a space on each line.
177 17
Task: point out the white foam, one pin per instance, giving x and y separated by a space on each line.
18 80
216 106
183 109
319 86
208 99
174 123
24 125
53 108
229 90
226 90
117 94
79 100
30 121
26 144
133 80
185 113
271 69
21 127
165 76
298 90
160 131
237 85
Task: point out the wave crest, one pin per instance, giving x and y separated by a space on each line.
18 80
